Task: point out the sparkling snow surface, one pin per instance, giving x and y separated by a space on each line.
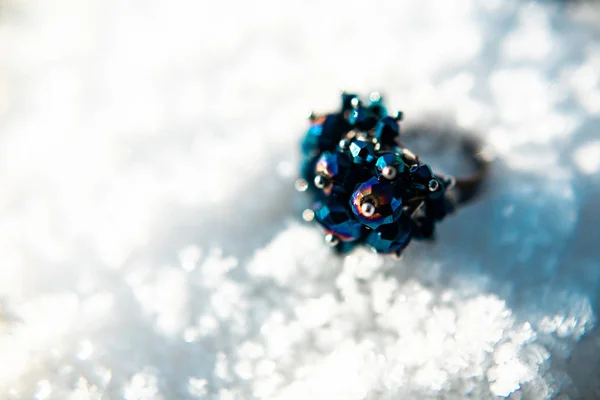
150 239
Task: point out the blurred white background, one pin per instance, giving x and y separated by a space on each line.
150 245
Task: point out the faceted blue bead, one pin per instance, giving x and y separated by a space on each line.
389 160
422 173
310 143
420 176
377 107
324 134
362 152
336 167
360 173
391 237
387 131
333 165
387 207
362 119
307 171
335 218
350 101
422 180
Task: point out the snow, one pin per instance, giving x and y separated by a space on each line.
151 240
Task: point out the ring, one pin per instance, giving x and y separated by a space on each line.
368 188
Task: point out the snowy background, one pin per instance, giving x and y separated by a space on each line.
150 239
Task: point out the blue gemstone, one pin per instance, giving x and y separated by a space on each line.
337 220
422 173
333 165
362 152
392 237
337 168
307 172
324 134
389 160
387 131
350 101
363 119
387 207
420 176
423 178
377 107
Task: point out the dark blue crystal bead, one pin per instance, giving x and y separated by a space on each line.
377 107
389 160
307 171
420 176
387 131
333 165
422 173
360 173
392 237
350 101
318 135
324 134
337 220
362 152
336 168
387 207
424 180
362 119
